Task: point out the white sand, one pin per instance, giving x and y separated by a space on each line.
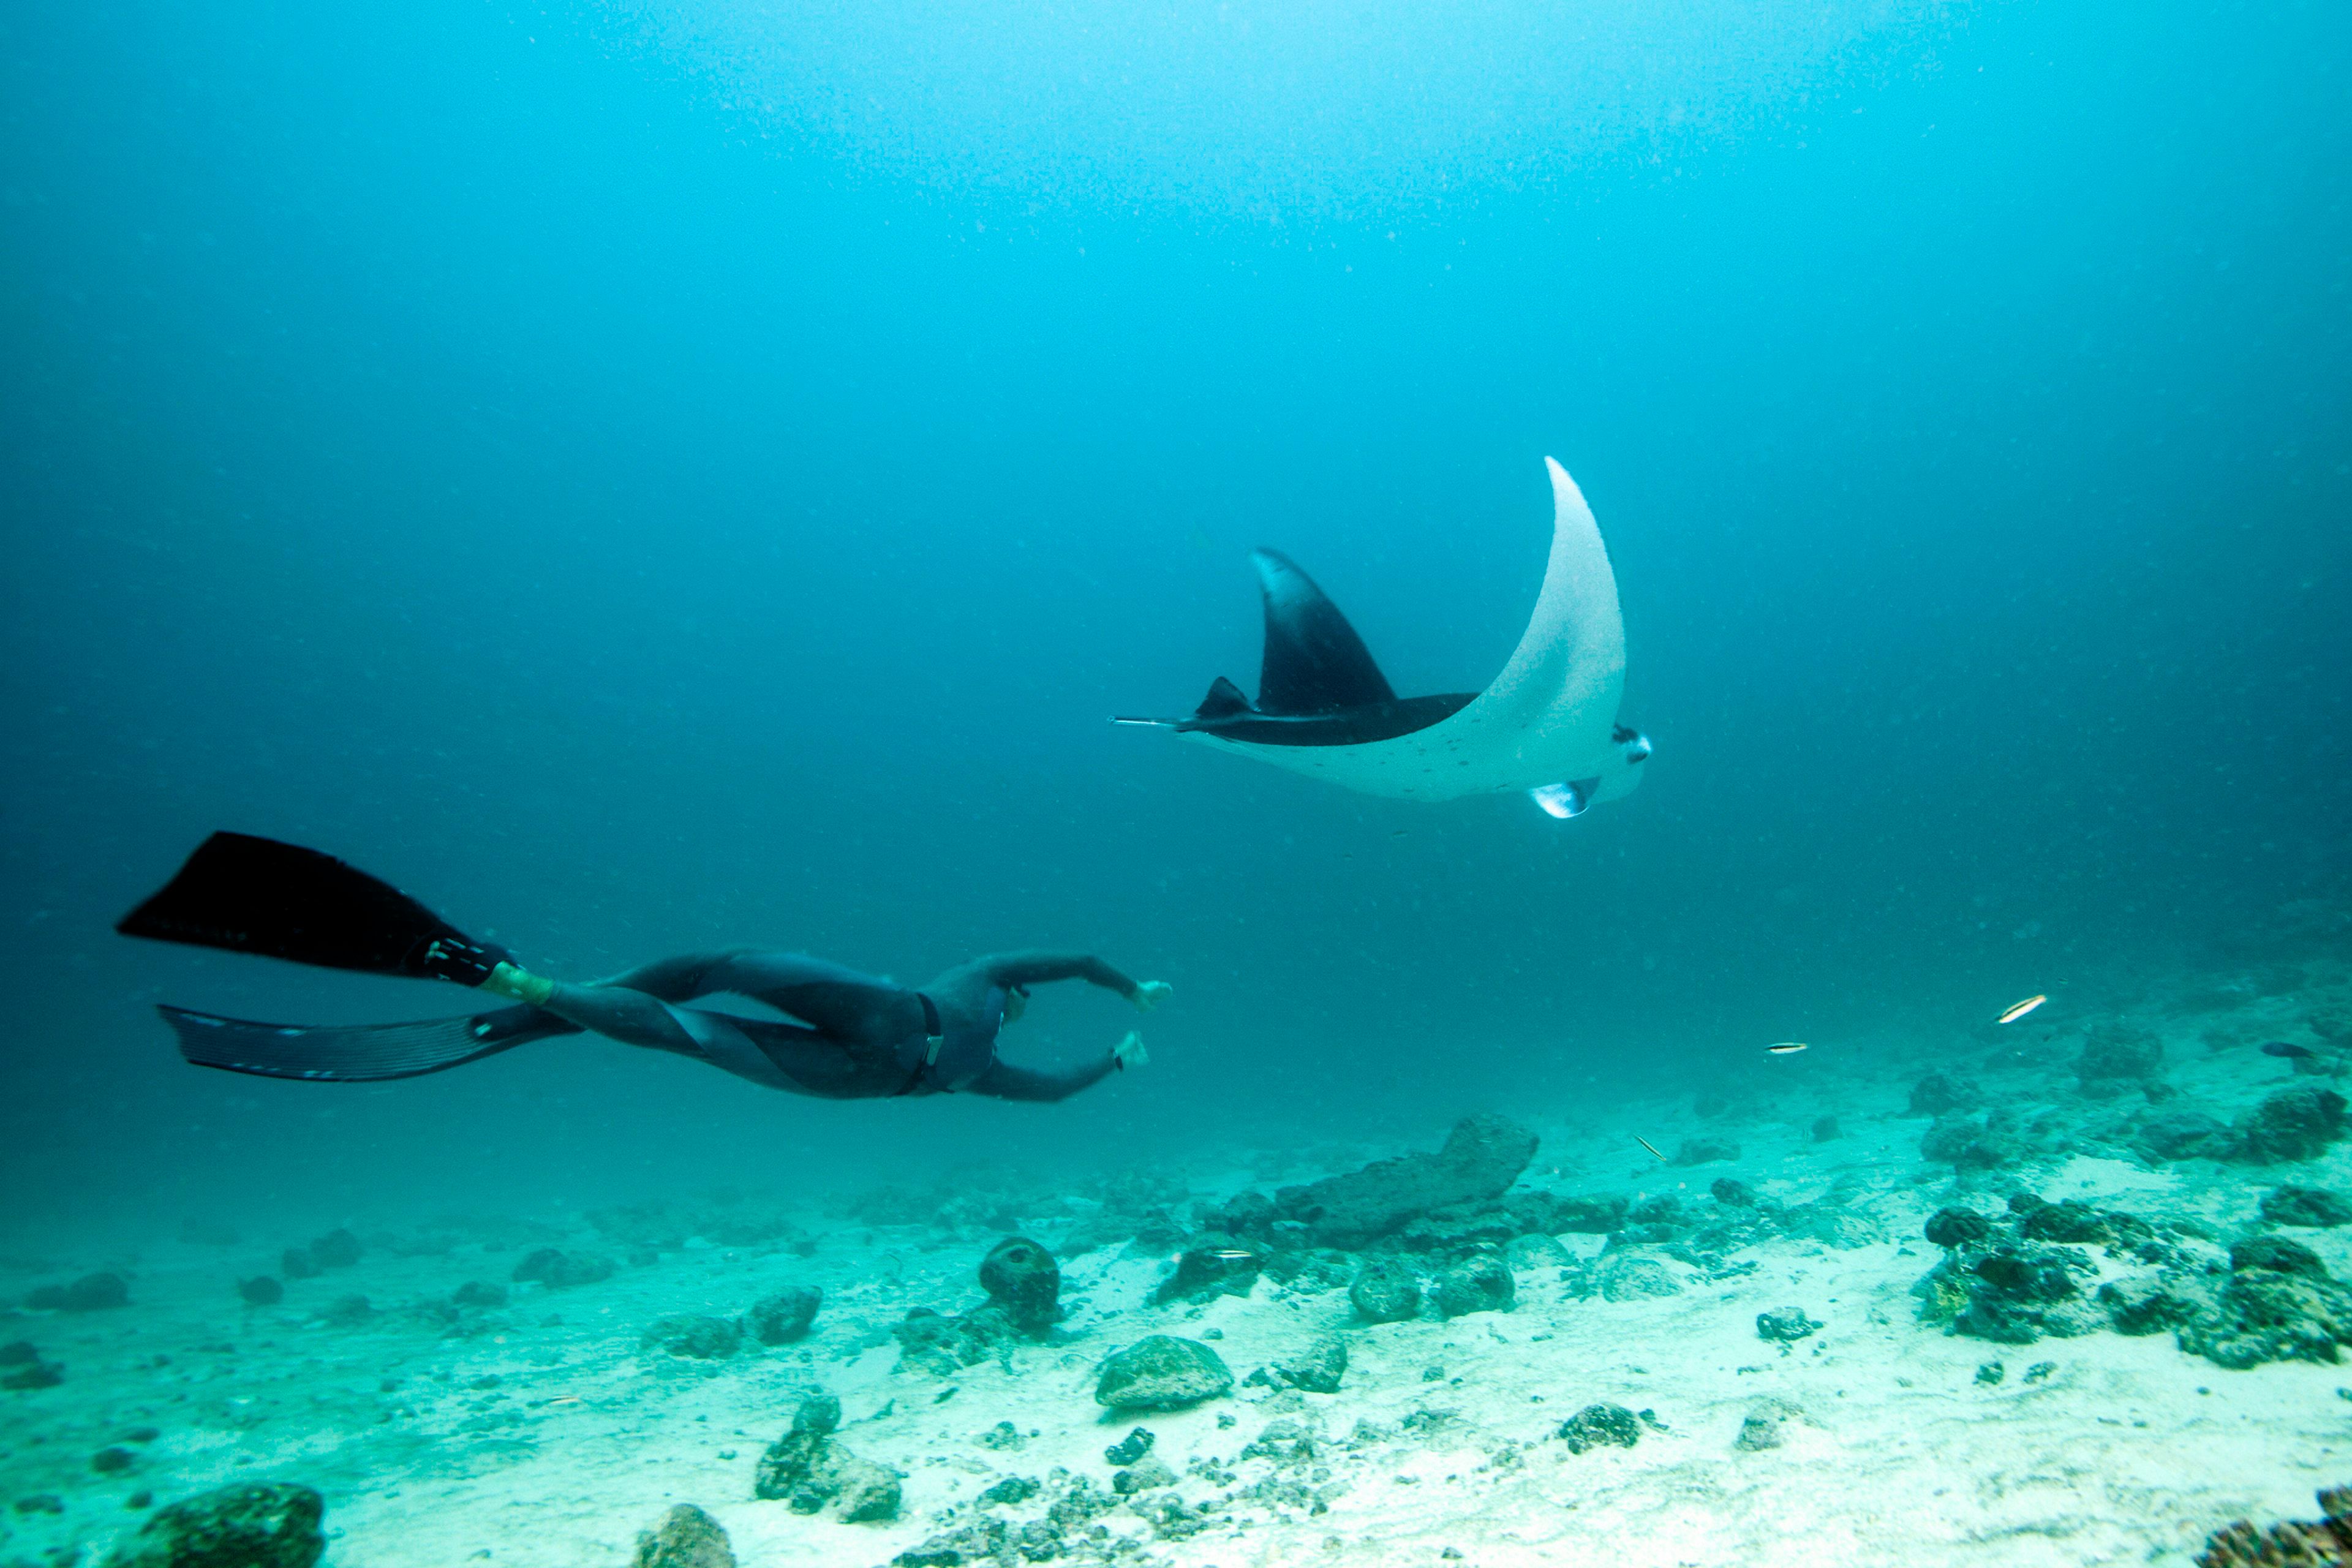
2124 1450
2118 1455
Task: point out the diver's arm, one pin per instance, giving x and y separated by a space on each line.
1005 1081
1011 969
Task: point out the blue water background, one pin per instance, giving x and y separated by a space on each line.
646 479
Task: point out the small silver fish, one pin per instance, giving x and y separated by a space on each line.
1785 1047
1230 1253
2016 1010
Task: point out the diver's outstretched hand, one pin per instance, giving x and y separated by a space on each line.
1129 1053
1150 995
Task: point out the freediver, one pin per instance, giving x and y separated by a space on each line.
847 1036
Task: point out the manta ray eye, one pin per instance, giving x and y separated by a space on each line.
1637 746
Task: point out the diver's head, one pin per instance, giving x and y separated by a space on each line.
1016 1002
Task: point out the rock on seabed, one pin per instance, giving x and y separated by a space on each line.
1482 1157
1385 1290
783 1316
1162 1373
2315 1208
1480 1283
1600 1426
689 1538
255 1525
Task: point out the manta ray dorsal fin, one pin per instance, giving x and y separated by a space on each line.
1224 702
1315 662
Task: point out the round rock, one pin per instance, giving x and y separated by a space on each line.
694 1337
1600 1426
1385 1291
1958 1228
1022 1277
1478 1284
784 1316
1786 1326
1162 1373
1627 1277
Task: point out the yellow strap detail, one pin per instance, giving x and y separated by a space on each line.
512 980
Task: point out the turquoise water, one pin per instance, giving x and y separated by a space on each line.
648 478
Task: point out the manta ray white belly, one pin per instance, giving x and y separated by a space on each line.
1549 716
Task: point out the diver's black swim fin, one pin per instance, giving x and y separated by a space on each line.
256 895
363 1053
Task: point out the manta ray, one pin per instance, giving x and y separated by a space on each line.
1547 726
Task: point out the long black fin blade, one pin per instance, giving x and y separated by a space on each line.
281 901
1315 662
365 1052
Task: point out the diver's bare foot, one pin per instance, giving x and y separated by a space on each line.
1150 995
1129 1053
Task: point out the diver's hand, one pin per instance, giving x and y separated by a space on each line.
1150 995
1129 1053
519 984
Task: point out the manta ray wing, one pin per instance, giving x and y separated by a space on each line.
1550 714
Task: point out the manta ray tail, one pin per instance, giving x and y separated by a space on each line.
1224 701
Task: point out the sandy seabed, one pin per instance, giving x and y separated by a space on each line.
544 1432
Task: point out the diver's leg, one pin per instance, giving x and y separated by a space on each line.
633 1018
636 1007
811 1063
836 1001
620 1013
679 979
632 1007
